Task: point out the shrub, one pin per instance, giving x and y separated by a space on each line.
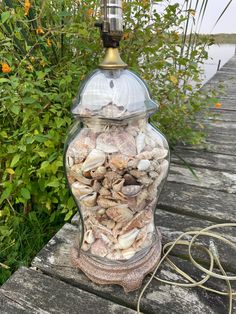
47 47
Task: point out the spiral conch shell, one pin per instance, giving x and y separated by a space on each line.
95 159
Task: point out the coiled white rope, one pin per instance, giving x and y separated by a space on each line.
214 263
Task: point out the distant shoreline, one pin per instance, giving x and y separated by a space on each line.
221 38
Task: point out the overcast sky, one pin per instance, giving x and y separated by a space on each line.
227 23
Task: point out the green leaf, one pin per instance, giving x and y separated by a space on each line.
15 109
6 193
5 16
54 184
68 215
4 80
15 160
25 193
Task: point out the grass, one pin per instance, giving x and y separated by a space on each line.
25 236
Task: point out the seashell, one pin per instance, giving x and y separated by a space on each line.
118 162
85 246
118 184
120 213
106 143
146 155
164 167
132 163
80 189
140 142
114 255
117 229
70 179
131 190
128 253
112 111
110 177
145 180
104 192
89 200
89 237
163 171
77 174
110 224
118 196
139 220
150 142
101 211
127 239
106 202
159 153
144 164
142 196
147 242
141 238
150 227
129 180
98 173
153 174
99 248
133 130
78 152
97 186
70 161
82 145
125 143
137 173
95 159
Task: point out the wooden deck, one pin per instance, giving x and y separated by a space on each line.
52 285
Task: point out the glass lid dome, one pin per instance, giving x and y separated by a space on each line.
114 94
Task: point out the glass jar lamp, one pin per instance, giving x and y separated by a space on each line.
116 163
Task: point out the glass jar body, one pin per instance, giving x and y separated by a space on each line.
115 171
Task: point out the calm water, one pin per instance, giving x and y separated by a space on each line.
217 52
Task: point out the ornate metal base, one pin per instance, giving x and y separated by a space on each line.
129 276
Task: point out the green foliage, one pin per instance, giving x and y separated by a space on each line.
46 50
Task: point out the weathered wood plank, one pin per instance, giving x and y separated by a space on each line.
212 205
42 294
214 147
159 298
210 179
8 306
204 159
182 223
223 115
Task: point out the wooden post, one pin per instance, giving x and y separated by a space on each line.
218 67
235 50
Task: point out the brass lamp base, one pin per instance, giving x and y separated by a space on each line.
129 276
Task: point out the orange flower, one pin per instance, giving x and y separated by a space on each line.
6 68
27 7
218 105
49 42
90 12
126 36
39 31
